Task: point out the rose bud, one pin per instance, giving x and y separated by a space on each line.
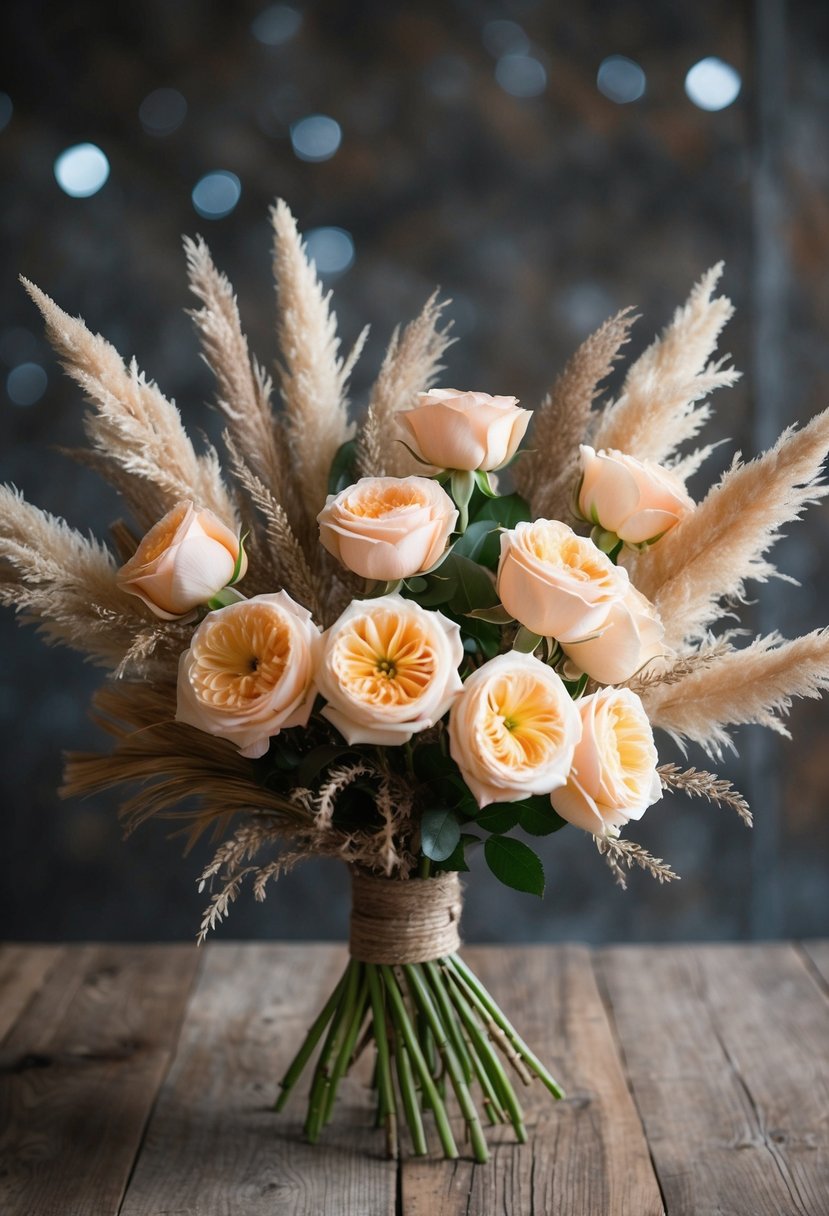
389 670
184 560
637 501
613 778
631 636
513 729
249 672
557 584
388 528
454 430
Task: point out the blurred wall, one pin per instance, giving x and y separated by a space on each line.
545 164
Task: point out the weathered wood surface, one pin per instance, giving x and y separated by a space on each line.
137 1080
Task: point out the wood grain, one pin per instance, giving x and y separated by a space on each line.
727 1049
587 1154
214 1145
80 1069
22 972
816 954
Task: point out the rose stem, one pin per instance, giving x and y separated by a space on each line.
488 1004
354 1020
311 1039
387 1106
494 1097
420 992
405 1078
491 1065
319 1086
494 1032
410 1039
450 1020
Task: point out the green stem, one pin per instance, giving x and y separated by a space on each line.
317 1102
410 1039
311 1039
500 1019
425 868
450 1020
405 1078
420 992
352 1021
387 1106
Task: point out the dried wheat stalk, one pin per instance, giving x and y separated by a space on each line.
698 783
546 472
622 855
137 436
659 408
410 366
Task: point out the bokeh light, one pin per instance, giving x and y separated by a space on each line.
521 75
162 111
26 384
6 110
276 24
316 137
331 250
713 84
621 79
216 194
81 170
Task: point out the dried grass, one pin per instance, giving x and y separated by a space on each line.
697 783
622 855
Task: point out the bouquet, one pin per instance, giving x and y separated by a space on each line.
398 641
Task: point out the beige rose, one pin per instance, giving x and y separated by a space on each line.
186 558
613 777
557 584
454 430
250 671
388 528
636 500
389 670
631 636
513 730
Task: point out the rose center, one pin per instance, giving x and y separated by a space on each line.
521 723
384 659
240 657
378 501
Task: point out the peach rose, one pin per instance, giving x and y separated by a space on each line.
557 584
636 500
388 528
613 778
389 670
184 559
250 671
631 636
513 730
454 430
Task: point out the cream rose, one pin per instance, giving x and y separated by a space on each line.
388 528
250 671
557 584
454 430
183 560
631 636
613 777
636 500
513 730
389 670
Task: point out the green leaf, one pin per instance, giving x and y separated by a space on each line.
439 591
525 640
344 470
495 616
416 584
498 817
515 864
483 484
487 637
473 586
576 687
536 816
474 539
319 759
240 557
507 511
457 858
439 834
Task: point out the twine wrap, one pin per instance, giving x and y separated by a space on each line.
410 921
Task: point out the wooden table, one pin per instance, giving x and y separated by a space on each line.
137 1080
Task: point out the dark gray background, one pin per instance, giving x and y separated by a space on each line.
539 217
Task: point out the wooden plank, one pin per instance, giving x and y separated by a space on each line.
817 954
214 1145
79 1072
23 970
587 1154
727 1049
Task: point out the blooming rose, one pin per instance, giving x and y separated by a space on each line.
388 528
557 584
513 729
389 670
453 430
249 672
183 560
631 636
613 778
637 500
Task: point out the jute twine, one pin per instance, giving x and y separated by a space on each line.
412 921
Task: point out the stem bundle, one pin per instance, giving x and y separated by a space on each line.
432 1023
